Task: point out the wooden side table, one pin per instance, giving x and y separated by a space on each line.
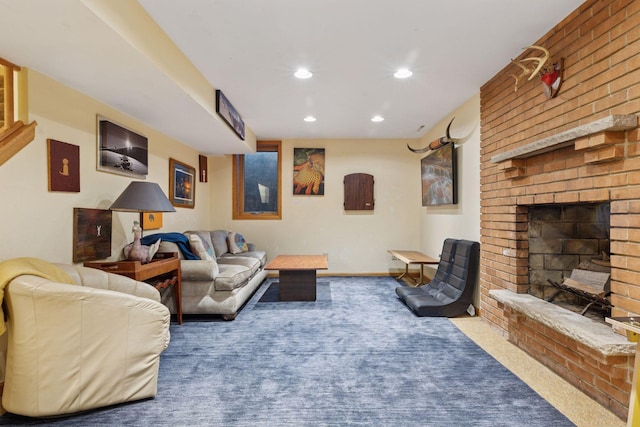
413 257
161 272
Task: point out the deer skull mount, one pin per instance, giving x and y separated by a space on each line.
438 143
552 79
530 66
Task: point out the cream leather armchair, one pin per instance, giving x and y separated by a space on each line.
73 348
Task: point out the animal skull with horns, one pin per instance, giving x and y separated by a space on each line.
438 143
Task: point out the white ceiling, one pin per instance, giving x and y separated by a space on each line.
250 48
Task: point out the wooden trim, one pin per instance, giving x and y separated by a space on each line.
14 135
15 139
237 184
8 99
9 64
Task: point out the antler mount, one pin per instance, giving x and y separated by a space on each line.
532 65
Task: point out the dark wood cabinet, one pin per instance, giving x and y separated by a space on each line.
358 192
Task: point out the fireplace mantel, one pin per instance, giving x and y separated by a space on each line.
610 123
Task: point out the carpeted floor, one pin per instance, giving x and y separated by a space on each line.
360 358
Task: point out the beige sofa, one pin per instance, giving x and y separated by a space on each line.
76 347
227 274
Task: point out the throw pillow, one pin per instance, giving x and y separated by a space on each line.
237 243
198 248
205 238
219 241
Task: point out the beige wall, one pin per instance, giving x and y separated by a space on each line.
462 220
356 242
39 223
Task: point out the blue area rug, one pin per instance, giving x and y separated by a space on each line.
361 359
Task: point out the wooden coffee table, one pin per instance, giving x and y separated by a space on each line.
298 275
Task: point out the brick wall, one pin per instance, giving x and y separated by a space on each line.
605 378
600 44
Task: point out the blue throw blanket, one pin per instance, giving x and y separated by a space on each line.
178 238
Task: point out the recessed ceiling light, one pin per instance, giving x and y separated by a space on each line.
303 73
403 73
309 119
377 118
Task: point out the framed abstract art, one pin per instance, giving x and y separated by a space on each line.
438 171
308 171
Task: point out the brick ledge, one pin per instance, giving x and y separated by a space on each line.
597 336
614 122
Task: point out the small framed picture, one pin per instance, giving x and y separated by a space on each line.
182 184
91 234
203 162
64 166
151 220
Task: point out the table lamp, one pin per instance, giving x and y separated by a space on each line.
141 196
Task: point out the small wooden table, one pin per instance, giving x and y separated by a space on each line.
297 274
161 272
413 257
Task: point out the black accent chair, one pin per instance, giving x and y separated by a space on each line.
450 292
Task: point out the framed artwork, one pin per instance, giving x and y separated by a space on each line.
229 114
64 166
203 163
438 171
151 220
91 234
308 171
121 150
182 184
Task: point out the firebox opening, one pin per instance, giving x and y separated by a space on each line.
563 238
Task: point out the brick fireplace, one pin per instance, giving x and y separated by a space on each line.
580 148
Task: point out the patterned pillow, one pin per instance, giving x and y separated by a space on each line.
205 237
237 244
198 248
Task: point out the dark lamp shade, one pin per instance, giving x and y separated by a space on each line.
142 196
